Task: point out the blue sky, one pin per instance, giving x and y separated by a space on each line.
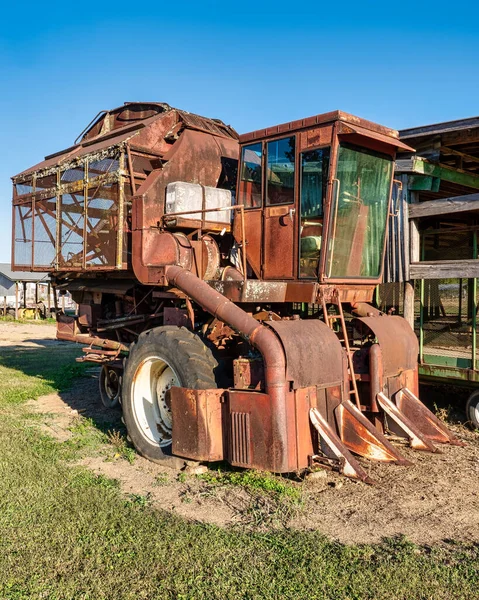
252 64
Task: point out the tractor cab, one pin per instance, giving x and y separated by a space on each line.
316 196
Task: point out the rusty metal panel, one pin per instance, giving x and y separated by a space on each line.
332 447
278 242
213 126
176 316
396 339
88 314
255 437
334 398
391 134
347 129
66 326
197 423
248 373
362 438
313 138
427 422
314 355
253 221
260 443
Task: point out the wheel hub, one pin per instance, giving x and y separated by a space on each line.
153 378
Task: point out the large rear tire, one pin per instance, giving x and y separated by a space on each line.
162 358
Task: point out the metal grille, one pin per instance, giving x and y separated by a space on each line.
390 298
240 439
44 233
23 235
447 316
447 244
76 173
102 225
105 165
87 230
25 187
71 231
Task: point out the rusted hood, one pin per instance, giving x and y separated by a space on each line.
314 355
397 341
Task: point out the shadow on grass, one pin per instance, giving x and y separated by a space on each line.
52 368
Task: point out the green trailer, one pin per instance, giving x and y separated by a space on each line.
432 263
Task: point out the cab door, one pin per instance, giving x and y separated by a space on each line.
279 222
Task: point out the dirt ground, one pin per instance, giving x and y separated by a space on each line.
28 334
436 499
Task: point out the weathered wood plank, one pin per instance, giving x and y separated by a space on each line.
409 303
414 241
444 206
469 157
419 165
445 269
463 136
458 126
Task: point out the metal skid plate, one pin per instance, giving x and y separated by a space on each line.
417 439
361 437
333 447
197 423
429 425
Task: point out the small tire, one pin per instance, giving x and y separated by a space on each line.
472 409
161 358
110 386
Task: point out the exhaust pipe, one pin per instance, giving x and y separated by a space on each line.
262 338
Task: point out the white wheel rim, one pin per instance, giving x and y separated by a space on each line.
153 378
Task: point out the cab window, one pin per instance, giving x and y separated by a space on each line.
359 212
314 178
280 171
250 187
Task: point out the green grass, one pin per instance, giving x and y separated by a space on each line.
255 481
31 372
66 533
272 500
11 319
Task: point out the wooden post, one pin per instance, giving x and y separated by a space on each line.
16 300
49 307
4 306
24 294
36 301
409 302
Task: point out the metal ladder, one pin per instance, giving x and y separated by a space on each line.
329 320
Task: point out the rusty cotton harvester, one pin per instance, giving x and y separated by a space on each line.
223 283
